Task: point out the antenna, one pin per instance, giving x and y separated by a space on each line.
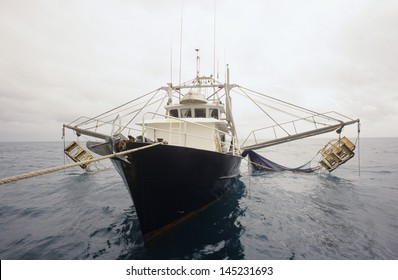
197 63
218 70
171 61
182 14
225 60
214 50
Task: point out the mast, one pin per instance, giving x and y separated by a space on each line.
228 109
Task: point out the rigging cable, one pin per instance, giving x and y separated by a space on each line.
100 115
324 115
160 104
264 112
140 110
289 104
291 114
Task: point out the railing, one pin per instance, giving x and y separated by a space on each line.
179 134
99 127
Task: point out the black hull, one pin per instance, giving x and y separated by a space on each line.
169 184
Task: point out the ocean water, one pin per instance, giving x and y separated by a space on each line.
349 214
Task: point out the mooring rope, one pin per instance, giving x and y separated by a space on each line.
66 166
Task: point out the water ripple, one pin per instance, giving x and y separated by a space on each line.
78 215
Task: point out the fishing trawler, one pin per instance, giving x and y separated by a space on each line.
178 162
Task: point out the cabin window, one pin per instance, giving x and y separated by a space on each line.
213 113
200 113
186 113
174 113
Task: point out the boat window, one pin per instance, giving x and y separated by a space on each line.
200 113
174 113
186 113
213 113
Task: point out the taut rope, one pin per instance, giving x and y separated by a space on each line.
66 166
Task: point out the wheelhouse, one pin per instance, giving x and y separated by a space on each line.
196 111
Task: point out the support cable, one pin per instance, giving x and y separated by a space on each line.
289 104
140 110
265 112
100 115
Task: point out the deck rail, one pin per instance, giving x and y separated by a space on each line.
177 132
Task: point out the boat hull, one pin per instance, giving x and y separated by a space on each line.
169 184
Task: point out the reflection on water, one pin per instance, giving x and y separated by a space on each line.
212 234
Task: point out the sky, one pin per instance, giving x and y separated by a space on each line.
63 59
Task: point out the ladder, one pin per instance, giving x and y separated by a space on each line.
77 154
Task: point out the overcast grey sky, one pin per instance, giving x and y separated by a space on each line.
63 59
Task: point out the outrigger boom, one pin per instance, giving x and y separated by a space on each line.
299 136
87 132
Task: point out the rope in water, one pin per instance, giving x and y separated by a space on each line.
66 166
